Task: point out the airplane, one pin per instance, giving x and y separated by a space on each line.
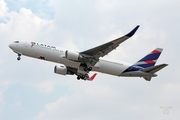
81 63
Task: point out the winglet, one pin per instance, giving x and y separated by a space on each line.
92 77
130 34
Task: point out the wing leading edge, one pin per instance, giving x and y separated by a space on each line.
104 49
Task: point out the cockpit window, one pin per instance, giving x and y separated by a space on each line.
16 41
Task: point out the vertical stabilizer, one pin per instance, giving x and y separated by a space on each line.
150 59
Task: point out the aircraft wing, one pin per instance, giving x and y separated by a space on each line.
104 49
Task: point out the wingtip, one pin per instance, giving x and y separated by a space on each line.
93 76
166 65
130 34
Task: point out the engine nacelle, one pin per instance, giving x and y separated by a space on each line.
60 70
72 55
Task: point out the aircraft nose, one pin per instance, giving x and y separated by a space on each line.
11 46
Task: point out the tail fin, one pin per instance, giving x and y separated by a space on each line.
150 59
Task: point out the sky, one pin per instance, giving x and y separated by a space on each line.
29 90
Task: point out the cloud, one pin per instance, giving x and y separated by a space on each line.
88 101
25 26
2 91
29 24
1 96
107 6
19 104
3 8
45 86
110 99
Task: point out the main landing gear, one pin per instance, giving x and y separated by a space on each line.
83 77
80 77
19 57
85 67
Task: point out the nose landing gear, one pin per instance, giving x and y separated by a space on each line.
19 57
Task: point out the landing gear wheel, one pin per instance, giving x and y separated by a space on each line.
82 76
18 58
90 68
78 78
87 69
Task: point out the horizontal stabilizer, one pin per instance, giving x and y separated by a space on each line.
153 69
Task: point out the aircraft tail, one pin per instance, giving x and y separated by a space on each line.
150 59
146 64
145 67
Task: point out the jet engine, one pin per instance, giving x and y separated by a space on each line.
60 70
73 55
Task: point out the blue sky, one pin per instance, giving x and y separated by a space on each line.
41 8
29 90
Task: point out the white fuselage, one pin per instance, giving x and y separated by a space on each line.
54 54
57 55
